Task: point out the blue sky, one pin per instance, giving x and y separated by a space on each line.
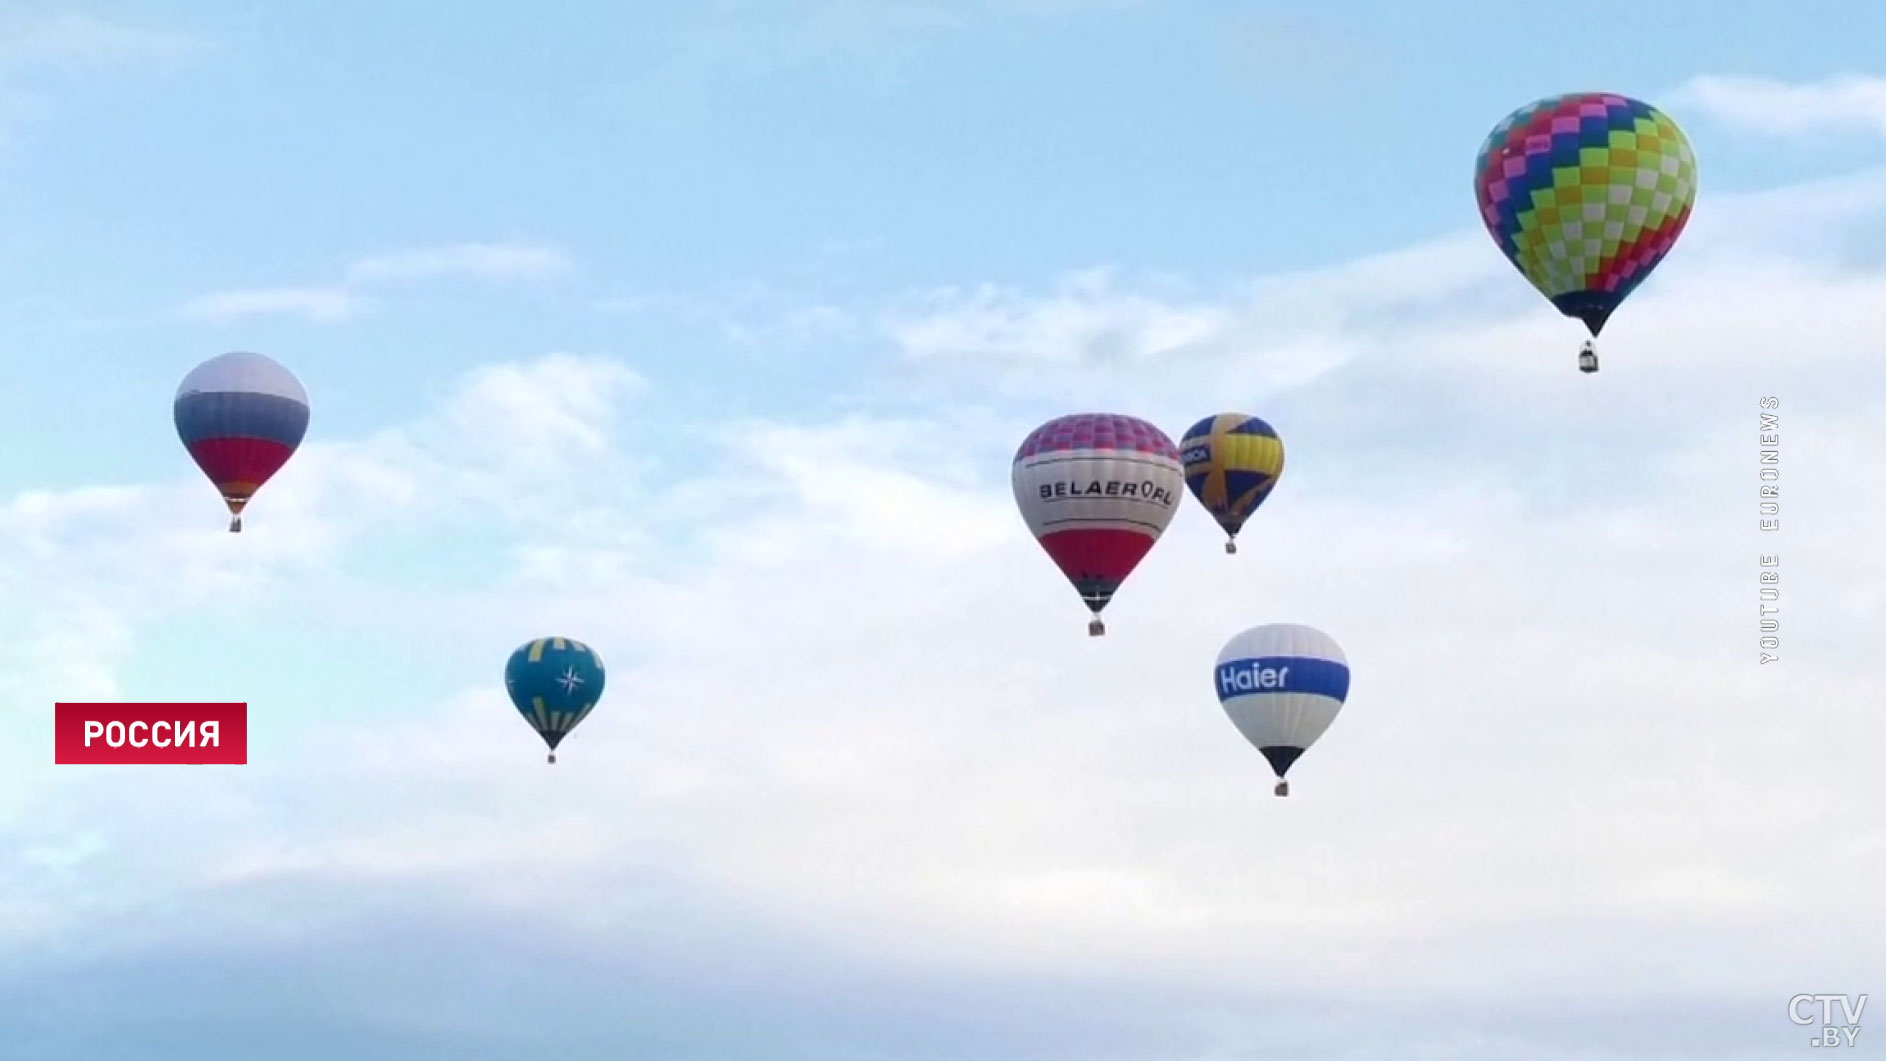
706 333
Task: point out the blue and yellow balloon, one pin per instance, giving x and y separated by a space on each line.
555 683
1231 463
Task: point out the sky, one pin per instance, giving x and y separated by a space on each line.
706 333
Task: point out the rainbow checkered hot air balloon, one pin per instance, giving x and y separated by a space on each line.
1585 194
241 416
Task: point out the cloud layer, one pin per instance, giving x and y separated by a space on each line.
862 787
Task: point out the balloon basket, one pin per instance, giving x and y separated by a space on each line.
1231 548
552 760
235 525
1096 628
1282 789
1588 358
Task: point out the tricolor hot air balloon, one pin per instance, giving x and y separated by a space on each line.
555 683
1097 490
241 416
1585 194
1232 461
1282 685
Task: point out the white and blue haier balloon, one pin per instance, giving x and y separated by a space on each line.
1282 684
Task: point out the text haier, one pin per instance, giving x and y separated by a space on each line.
1248 678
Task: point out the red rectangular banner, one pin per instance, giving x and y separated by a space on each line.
150 734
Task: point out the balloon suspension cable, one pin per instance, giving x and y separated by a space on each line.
1096 628
1230 546
1588 357
235 524
1283 788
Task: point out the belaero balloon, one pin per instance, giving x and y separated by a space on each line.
1097 490
241 416
1585 194
1282 685
1232 462
554 682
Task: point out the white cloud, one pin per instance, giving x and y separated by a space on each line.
1782 108
645 303
35 44
1284 328
850 699
1391 322
756 317
746 38
862 21
482 261
875 712
795 327
523 420
101 562
1085 318
73 40
331 304
1306 58
323 305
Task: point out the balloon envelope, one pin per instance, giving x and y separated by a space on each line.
1097 490
1232 462
241 416
1585 194
554 682
1282 684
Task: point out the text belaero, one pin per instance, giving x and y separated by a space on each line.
1144 490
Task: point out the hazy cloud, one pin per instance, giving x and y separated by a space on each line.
71 40
36 44
322 305
1300 57
1781 108
1454 301
755 318
482 261
491 262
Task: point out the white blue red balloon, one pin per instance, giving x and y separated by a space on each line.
241 416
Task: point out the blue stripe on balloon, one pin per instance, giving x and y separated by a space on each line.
1294 674
240 414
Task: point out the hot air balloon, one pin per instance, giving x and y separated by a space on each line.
1282 685
241 416
1097 490
555 683
1585 194
1231 463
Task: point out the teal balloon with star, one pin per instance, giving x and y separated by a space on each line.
555 683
